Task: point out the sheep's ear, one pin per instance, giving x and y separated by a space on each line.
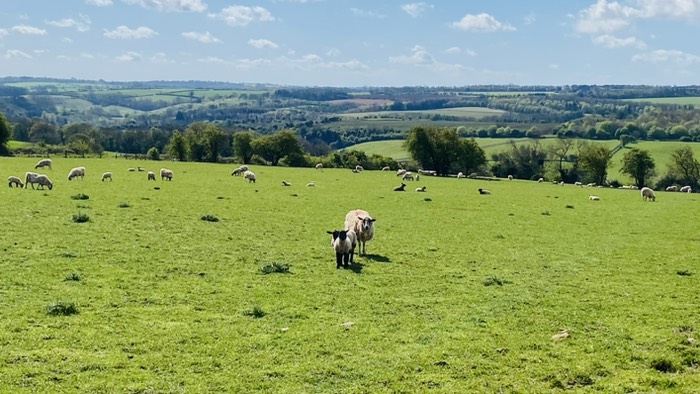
361 218
373 220
329 232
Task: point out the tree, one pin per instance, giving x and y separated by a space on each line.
524 161
153 154
176 147
435 149
276 146
242 146
561 149
594 159
4 135
44 132
470 156
684 167
639 165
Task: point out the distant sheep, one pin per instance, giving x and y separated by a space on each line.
106 175
151 175
250 176
510 177
594 198
686 189
592 184
76 172
13 180
408 176
484 191
648 194
40 179
578 184
44 163
387 168
359 168
140 169
238 171
400 172
363 225
285 183
131 169
166 174
417 177
344 243
540 180
311 184
421 189
319 166
673 188
401 188
460 175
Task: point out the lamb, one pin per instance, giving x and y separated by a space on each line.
592 184
648 194
510 177
107 175
363 225
319 166
401 188
41 179
131 169
13 180
421 189
44 163
250 176
285 183
578 184
166 174
417 177
344 243
594 198
484 191
151 175
686 189
408 176
400 172
76 172
673 188
311 184
460 175
540 180
359 168
140 169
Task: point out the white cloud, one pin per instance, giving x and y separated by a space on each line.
353 64
333 52
248 64
160 57
419 56
453 50
205 38
171 5
86 55
674 9
26 29
82 25
609 16
262 43
366 14
123 32
415 9
129 57
667 56
609 41
530 18
239 15
99 3
211 59
483 23
16 54
67 40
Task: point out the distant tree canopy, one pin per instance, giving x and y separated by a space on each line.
684 168
594 160
4 135
443 151
639 165
522 161
242 146
275 147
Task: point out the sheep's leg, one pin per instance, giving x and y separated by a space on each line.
338 260
346 259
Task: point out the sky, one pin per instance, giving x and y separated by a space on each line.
355 43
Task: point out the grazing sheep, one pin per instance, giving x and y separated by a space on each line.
166 174
673 188
13 180
421 189
561 183
319 166
363 225
686 189
44 163
344 243
285 183
41 179
594 198
578 184
540 180
510 177
460 175
359 168
400 172
311 184
140 169
387 168
592 184
401 188
131 169
76 172
648 194
238 171
151 175
408 176
484 191
106 175
250 176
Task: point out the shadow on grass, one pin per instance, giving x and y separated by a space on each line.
356 267
377 258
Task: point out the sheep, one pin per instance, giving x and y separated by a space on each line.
421 189
686 189
359 168
285 183
400 172
387 168
166 174
460 175
540 180
131 169
363 225
673 188
76 172
648 194
408 176
594 198
344 243
107 175
510 177
592 184
13 180
484 191
41 179
311 184
417 177
578 184
250 176
44 163
151 175
401 188
140 169
238 171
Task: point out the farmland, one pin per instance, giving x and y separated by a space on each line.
148 297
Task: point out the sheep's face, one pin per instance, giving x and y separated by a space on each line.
342 234
367 222
50 185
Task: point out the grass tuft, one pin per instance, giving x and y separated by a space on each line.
80 196
275 268
256 312
664 365
81 217
210 218
495 281
72 277
62 308
124 205
684 272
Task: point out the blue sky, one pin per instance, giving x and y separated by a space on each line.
355 42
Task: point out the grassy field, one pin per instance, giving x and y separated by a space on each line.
146 297
670 100
475 112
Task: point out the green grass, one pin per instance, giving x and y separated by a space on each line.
660 151
167 302
670 100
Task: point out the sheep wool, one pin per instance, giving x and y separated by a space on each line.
362 224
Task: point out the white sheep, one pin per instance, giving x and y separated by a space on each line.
166 174
344 243
400 172
311 184
44 163
648 194
387 168
460 175
238 171
359 168
319 166
107 175
250 176
540 180
421 189
510 177
151 175
363 225
578 184
408 176
76 172
594 198
285 183
41 179
673 188
592 184
686 189
13 180
484 191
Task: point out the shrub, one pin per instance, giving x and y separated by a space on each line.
275 268
210 218
153 154
62 308
80 196
81 217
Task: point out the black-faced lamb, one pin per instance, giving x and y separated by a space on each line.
319 166
401 188
151 175
106 175
594 198
166 174
344 243
510 177
363 225
76 172
407 176
421 189
359 168
285 183
44 163
13 180
647 194
484 191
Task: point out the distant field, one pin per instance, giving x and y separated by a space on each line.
474 112
660 151
671 100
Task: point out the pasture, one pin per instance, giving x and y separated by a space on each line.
459 292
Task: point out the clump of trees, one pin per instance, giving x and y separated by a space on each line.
443 151
684 169
639 165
